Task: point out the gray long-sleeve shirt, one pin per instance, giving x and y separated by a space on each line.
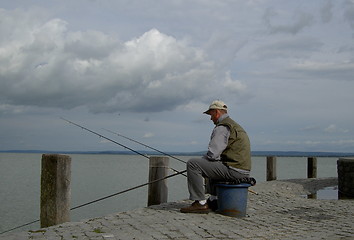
218 141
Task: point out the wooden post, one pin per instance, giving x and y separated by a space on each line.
55 189
345 170
158 168
311 167
271 168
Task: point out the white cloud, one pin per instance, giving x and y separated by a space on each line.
148 135
6 109
234 86
283 64
54 67
331 128
334 129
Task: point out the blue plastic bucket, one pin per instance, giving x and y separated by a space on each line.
232 199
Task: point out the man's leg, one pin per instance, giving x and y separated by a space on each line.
197 170
195 175
195 178
200 168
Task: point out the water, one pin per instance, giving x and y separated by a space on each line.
327 193
95 176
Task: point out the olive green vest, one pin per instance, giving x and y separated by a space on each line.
237 153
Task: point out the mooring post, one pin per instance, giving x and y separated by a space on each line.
271 168
55 189
345 170
311 167
158 168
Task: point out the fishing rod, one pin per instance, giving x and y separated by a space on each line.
130 139
103 198
144 155
101 136
23 225
111 140
127 190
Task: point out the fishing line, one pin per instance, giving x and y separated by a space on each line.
121 192
130 139
103 198
20 226
127 190
101 136
111 140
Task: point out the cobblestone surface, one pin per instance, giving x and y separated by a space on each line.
279 211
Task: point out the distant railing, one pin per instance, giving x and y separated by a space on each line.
272 168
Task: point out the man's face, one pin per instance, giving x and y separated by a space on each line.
214 115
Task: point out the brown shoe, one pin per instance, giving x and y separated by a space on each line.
196 207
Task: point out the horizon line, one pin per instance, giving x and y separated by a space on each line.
289 153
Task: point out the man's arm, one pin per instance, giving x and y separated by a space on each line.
218 142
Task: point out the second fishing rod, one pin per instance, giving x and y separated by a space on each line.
124 146
111 195
145 145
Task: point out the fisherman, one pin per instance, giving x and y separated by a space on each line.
228 159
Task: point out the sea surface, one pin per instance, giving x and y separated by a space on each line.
95 176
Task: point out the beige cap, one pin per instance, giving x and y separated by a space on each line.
217 104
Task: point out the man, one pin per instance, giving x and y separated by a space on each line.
228 159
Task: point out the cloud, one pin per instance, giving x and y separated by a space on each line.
310 129
299 21
331 128
160 65
288 48
6 108
148 135
344 142
47 65
326 12
343 71
349 12
334 129
234 86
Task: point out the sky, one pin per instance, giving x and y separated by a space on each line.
147 69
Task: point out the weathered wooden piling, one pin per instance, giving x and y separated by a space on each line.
345 170
271 168
158 191
55 189
311 167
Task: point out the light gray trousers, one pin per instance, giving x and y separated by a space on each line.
200 168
